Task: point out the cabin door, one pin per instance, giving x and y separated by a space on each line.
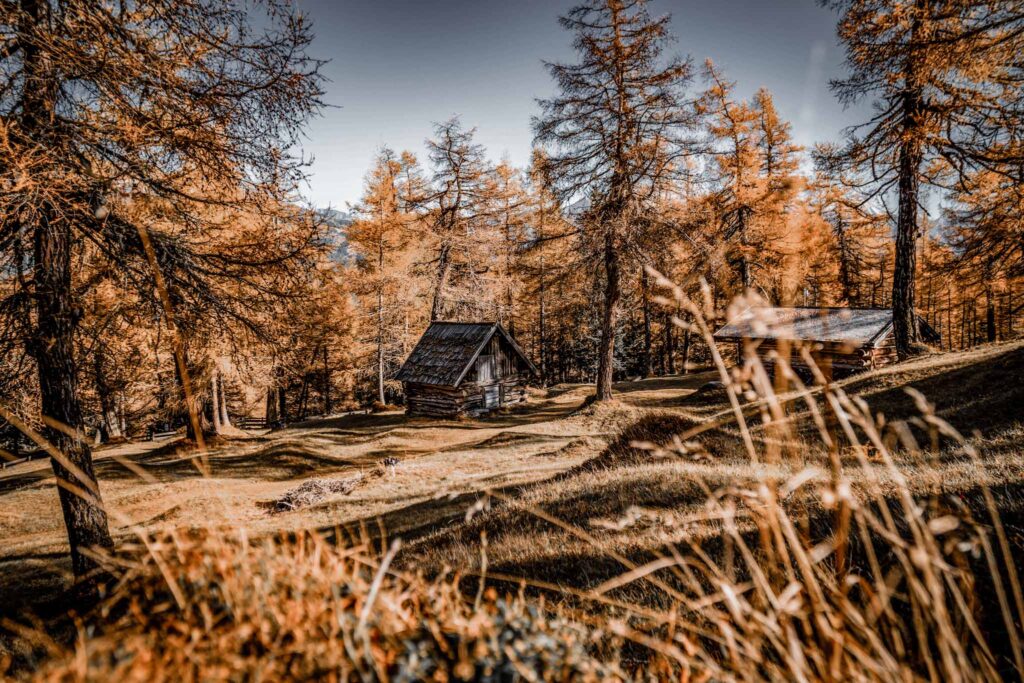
492 397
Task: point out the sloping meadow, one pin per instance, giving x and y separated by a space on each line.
795 537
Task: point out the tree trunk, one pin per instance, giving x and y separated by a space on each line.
744 263
905 328
904 315
686 351
380 347
443 265
606 351
990 315
52 344
225 419
302 396
541 315
195 407
670 345
110 425
282 405
215 401
77 487
327 382
270 416
646 370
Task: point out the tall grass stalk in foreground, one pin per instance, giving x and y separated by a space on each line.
812 578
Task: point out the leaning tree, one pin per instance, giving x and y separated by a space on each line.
615 133
144 129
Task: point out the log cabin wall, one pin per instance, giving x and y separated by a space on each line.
495 377
842 340
833 360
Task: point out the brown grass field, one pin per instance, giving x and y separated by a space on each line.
576 507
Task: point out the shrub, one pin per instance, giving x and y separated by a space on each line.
206 607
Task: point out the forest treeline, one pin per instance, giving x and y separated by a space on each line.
160 269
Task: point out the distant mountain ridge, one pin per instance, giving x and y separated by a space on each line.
337 222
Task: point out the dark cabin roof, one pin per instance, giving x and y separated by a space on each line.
855 326
447 350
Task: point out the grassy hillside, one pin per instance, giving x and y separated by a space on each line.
600 541
640 504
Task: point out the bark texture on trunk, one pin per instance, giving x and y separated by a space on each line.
648 361
110 423
606 351
327 382
990 315
52 344
78 489
686 351
670 344
215 401
443 265
904 315
225 419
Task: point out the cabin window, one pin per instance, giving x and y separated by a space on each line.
485 369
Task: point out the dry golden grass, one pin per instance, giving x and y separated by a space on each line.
635 540
205 607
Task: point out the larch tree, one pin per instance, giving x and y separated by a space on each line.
379 240
782 206
509 211
945 79
859 233
616 133
544 254
986 235
735 166
176 102
456 206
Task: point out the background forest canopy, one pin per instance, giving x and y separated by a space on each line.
156 251
320 312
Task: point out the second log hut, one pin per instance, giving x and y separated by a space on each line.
841 341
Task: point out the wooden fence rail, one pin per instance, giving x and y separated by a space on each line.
252 423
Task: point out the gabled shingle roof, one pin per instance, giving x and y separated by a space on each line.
854 326
447 350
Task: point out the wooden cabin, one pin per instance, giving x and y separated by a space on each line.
464 368
842 341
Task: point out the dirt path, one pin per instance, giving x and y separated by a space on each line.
442 466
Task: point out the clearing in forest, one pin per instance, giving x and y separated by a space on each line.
554 453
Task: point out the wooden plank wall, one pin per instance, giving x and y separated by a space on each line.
429 400
843 358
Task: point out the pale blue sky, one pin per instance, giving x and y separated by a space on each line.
397 66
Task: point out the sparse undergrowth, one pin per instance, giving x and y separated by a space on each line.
203 607
664 557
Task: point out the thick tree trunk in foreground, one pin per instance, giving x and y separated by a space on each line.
380 346
606 351
191 405
56 318
990 315
670 344
78 489
686 351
